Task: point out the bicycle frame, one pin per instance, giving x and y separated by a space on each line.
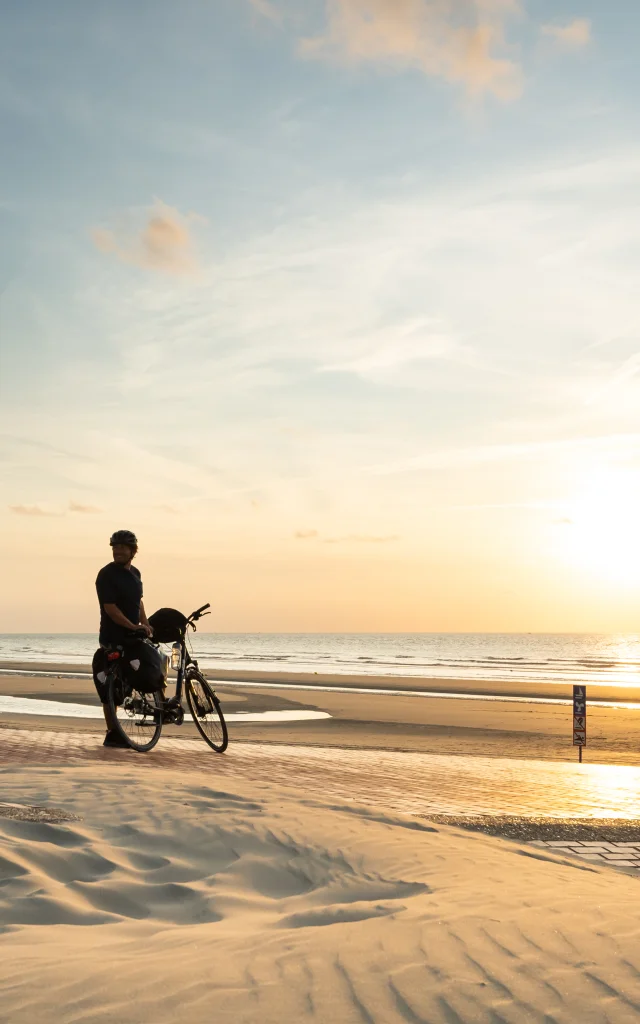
139 715
171 707
115 666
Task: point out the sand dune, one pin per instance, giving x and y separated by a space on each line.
177 899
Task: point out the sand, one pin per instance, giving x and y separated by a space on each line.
299 878
515 687
485 728
173 898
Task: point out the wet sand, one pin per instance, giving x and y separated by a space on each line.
511 688
485 728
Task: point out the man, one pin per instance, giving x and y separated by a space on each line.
119 587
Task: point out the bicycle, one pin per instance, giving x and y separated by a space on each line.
139 716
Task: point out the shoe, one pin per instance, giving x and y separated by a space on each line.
114 739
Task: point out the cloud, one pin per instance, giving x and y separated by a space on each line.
43 446
475 506
457 40
353 538
37 510
89 510
606 385
408 343
574 35
495 453
164 244
266 9
31 510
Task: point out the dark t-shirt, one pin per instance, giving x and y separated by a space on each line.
122 587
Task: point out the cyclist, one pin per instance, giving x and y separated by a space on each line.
119 588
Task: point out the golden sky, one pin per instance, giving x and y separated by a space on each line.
334 304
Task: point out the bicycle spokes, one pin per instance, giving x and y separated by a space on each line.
206 712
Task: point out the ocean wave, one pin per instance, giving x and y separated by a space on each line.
556 658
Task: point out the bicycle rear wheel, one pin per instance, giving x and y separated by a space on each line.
206 712
138 716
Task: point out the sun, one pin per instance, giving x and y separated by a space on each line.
602 534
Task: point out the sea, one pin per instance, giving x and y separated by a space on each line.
560 658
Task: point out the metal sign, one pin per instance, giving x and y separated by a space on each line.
580 717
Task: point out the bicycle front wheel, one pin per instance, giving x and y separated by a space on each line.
138 716
206 712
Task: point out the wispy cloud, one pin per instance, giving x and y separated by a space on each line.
461 41
609 383
31 510
324 292
573 35
29 442
351 538
165 242
38 510
410 342
89 510
479 506
266 9
458 457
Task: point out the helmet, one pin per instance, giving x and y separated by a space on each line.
145 667
168 625
124 537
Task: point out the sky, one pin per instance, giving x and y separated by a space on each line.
333 302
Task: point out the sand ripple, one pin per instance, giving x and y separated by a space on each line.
175 900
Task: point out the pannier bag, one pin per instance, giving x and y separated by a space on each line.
145 668
168 625
99 669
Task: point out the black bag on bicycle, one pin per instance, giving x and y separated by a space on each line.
99 669
144 667
168 625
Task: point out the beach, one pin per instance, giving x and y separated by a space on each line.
501 719
320 382
322 870
174 897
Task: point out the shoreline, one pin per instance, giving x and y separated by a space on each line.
482 727
436 684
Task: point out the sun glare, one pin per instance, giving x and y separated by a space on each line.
611 790
602 532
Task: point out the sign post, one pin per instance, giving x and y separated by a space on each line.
580 719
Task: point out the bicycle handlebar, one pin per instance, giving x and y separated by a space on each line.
137 634
196 615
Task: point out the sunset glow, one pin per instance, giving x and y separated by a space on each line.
602 535
334 304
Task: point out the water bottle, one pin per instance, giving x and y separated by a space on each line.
176 656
